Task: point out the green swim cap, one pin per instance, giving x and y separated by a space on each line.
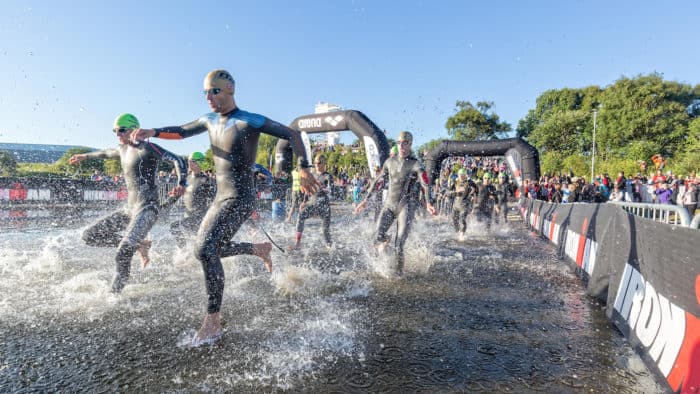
395 149
487 175
197 156
128 121
462 171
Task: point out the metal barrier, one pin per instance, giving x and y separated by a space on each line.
695 223
665 213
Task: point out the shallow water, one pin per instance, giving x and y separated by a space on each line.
491 311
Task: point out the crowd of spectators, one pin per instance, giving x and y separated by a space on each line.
658 188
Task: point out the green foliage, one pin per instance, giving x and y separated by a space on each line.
471 123
8 164
112 167
430 145
208 164
636 118
43 170
266 149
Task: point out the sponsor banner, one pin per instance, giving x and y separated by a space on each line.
329 121
32 191
647 272
307 146
372 155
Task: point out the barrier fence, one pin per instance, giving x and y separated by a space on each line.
647 272
665 213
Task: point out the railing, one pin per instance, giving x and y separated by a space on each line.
665 213
695 223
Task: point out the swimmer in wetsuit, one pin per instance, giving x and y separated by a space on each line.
317 204
466 192
234 135
139 162
406 175
199 194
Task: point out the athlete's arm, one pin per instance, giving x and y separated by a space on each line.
171 132
294 137
371 189
100 154
178 162
425 183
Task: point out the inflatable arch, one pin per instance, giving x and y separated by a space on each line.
521 157
376 145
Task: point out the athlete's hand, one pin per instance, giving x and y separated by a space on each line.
309 183
139 135
177 191
75 159
361 206
430 209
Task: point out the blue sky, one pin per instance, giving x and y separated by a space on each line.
68 68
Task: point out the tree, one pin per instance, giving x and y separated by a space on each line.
430 145
8 164
266 149
471 123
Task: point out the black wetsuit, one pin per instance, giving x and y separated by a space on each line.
466 191
486 201
234 142
502 191
406 177
318 204
140 166
197 198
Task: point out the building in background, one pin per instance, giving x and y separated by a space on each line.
321 108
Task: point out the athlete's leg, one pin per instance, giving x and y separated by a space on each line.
404 222
456 215
141 223
105 232
325 213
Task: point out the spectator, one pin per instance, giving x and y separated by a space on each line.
690 198
663 194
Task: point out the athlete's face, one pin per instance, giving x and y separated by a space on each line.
218 100
320 166
123 135
404 148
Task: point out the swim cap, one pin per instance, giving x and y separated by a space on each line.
197 156
221 79
405 136
487 175
128 121
462 171
395 149
501 175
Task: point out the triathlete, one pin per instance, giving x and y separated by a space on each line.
466 192
406 177
139 161
487 199
317 204
296 194
502 192
199 194
234 136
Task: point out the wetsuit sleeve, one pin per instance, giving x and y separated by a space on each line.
425 182
372 186
279 130
103 154
179 132
178 162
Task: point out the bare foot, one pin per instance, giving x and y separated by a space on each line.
143 249
210 332
262 250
